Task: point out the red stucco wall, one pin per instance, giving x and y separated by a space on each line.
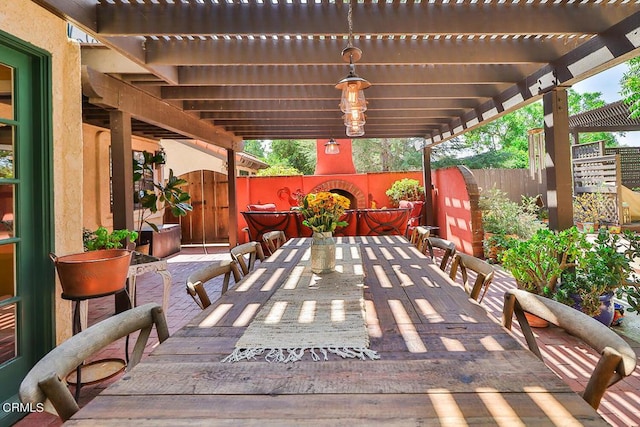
282 190
456 208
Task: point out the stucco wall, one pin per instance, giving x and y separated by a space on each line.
29 22
183 158
282 190
456 205
96 191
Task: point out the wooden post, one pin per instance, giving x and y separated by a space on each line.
121 170
558 159
121 182
233 205
429 214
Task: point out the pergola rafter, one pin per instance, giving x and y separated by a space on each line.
261 70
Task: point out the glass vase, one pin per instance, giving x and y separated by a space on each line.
323 252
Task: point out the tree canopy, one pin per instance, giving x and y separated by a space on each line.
503 142
298 154
631 87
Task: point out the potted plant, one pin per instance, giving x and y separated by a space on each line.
537 263
407 193
601 270
565 266
101 270
504 219
103 239
153 195
405 189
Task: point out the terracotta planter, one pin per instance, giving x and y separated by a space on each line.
92 274
535 321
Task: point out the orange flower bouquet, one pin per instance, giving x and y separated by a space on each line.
322 211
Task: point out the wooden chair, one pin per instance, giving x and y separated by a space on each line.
484 274
254 252
419 236
617 359
45 381
196 280
448 248
273 240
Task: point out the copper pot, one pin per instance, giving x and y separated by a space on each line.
92 274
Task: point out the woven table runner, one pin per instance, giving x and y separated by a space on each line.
318 314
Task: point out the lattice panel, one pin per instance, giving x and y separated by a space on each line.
588 150
629 164
608 208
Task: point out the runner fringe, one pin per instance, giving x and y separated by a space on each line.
286 355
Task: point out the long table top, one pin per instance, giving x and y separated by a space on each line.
443 361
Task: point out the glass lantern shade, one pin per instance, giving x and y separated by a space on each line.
331 147
355 129
354 118
352 98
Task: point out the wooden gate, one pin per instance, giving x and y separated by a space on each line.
209 220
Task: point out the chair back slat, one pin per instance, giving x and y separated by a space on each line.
448 248
44 383
483 270
197 279
273 240
246 254
617 358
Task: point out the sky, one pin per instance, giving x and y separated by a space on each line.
608 83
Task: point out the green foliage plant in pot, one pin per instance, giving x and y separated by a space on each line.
103 239
405 189
601 270
569 268
504 219
538 263
630 289
101 270
153 195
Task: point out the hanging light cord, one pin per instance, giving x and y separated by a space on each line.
350 23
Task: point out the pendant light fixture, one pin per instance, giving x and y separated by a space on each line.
331 147
352 102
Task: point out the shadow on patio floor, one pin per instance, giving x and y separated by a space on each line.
563 353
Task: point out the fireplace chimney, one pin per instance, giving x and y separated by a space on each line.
334 164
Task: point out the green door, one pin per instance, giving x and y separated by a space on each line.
26 274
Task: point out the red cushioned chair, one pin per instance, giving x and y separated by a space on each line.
351 228
383 222
259 223
267 207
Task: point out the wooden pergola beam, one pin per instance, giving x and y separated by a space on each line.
302 105
615 44
385 51
266 92
329 74
112 93
125 19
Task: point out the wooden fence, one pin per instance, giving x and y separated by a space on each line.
514 182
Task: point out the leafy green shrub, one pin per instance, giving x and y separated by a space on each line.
279 170
502 216
405 189
102 239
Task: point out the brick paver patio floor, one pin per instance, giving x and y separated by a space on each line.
563 353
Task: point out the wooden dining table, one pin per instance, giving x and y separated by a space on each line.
443 360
